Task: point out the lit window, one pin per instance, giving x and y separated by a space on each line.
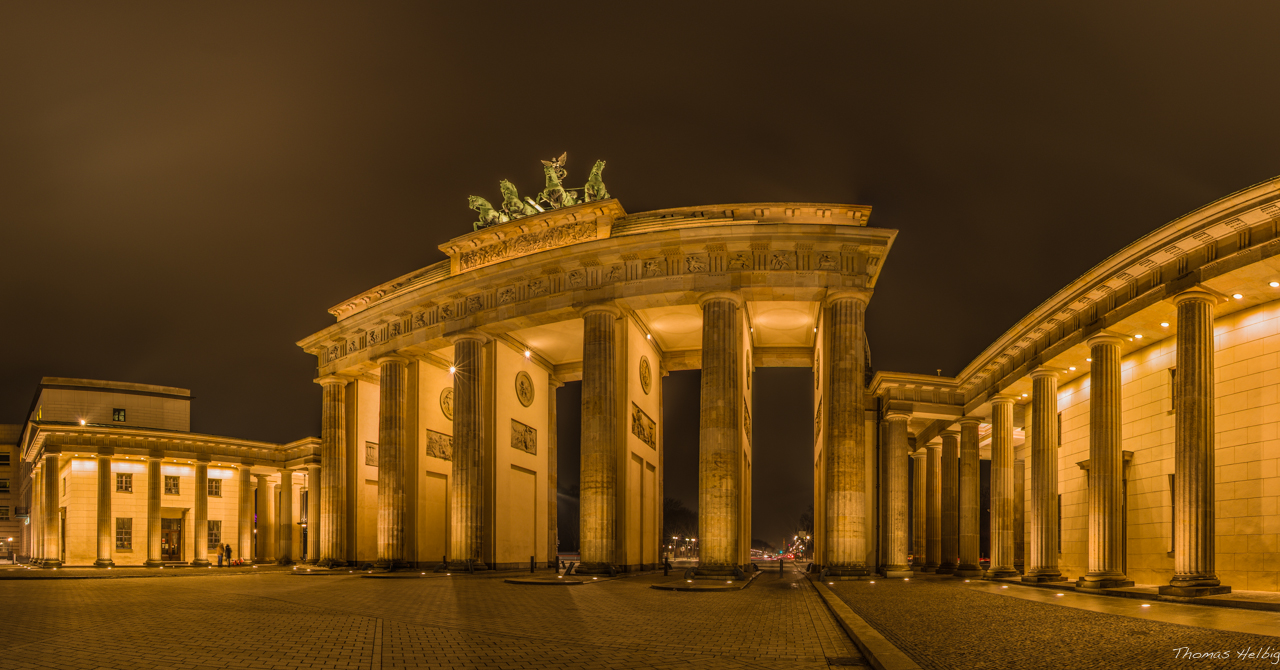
171 485
64 486
371 453
215 488
124 482
215 533
124 533
117 415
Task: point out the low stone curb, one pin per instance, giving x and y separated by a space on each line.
878 650
694 587
1231 600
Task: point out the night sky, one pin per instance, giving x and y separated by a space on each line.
185 189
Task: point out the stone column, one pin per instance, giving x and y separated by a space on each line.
106 524
950 514
719 436
894 454
262 530
919 507
969 495
1106 463
244 517
391 458
933 509
1001 488
284 548
313 513
1193 447
52 505
200 555
1019 515
333 468
1044 477
155 483
37 516
553 494
466 488
846 538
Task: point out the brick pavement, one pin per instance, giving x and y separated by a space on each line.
282 621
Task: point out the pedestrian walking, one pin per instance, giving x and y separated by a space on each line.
220 546
228 554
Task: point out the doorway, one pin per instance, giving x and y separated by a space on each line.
171 539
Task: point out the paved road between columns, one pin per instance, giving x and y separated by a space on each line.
280 621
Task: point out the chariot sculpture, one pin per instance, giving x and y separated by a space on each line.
553 195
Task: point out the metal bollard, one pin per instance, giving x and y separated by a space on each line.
782 562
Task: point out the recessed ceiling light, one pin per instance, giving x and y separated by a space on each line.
1237 296
1088 360
1071 368
527 353
1164 324
647 336
1138 337
1275 284
452 369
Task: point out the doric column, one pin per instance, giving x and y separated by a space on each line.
1001 488
284 547
155 481
200 555
1019 515
263 529
894 454
467 485
919 506
553 533
950 502
52 506
844 447
333 468
969 483
1193 446
719 435
106 524
313 513
244 517
933 509
391 458
1106 530
1044 477
37 516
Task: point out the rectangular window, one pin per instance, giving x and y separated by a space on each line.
215 488
1173 514
1173 390
124 533
124 482
117 415
4 486
64 486
215 534
4 458
171 485
4 512
371 453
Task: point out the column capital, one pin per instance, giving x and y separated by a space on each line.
606 307
1003 398
470 335
331 380
970 420
920 452
203 459
1201 293
1104 337
897 415
862 295
553 382
731 296
949 433
1046 371
392 358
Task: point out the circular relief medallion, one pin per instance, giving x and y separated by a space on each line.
446 402
646 374
524 388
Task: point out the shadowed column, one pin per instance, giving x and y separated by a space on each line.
598 487
1001 488
969 482
933 509
553 459
391 459
200 557
262 530
52 536
153 512
950 502
896 461
106 533
313 513
333 468
719 436
284 525
919 506
244 520
845 450
467 485
1106 532
1044 477
1019 515
1193 445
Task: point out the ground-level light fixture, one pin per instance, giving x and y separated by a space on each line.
1145 605
81 422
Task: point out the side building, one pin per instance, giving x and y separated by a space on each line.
10 511
109 473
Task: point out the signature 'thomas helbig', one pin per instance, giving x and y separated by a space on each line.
1267 654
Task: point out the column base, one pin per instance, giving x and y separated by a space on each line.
1194 591
153 563
50 563
104 563
1043 578
331 563
710 571
967 572
929 569
945 570
200 563
1103 582
855 571
1000 573
461 566
894 574
284 561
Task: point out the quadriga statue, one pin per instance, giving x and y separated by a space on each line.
595 190
554 193
488 215
512 205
